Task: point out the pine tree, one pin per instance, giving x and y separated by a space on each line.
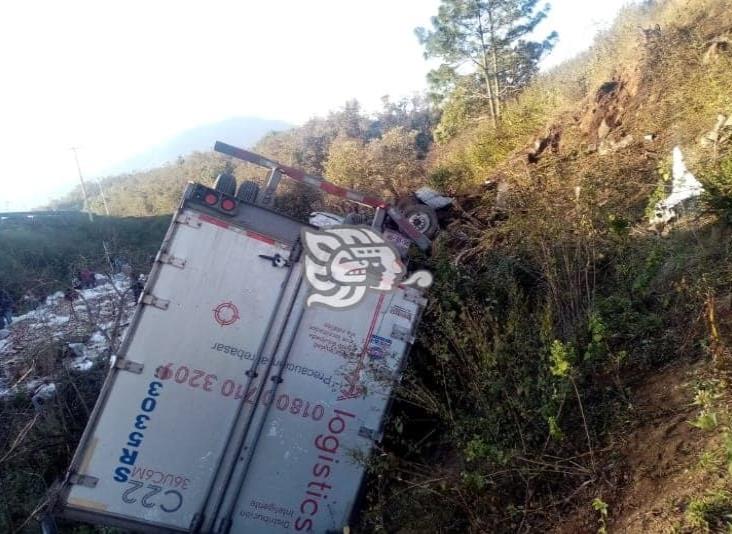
488 38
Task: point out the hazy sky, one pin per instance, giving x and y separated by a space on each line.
115 78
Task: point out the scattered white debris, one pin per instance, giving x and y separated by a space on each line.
51 321
83 364
102 289
53 299
97 338
78 349
32 385
322 219
685 187
432 198
33 314
56 320
43 394
609 146
719 133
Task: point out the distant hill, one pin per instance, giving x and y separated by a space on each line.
239 131
157 190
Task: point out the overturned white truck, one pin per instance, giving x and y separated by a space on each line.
236 403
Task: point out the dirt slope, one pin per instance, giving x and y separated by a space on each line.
661 464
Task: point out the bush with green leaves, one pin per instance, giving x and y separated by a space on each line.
710 513
36 448
718 189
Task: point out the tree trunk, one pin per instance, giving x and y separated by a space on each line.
495 82
492 97
492 31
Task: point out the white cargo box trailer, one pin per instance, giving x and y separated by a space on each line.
232 406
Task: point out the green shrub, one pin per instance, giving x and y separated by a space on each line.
711 513
36 452
718 189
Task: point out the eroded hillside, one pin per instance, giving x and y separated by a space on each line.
574 373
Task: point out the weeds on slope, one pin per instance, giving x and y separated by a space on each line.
551 302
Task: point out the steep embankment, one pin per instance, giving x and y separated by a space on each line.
572 373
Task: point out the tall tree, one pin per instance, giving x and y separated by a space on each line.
488 38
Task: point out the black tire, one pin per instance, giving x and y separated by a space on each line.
355 219
248 192
226 184
423 218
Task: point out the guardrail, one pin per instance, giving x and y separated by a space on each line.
31 215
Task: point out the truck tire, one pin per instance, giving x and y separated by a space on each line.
355 219
423 218
226 184
248 192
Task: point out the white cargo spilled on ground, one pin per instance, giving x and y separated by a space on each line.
101 309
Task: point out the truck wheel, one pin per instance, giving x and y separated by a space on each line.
423 218
355 219
248 192
226 184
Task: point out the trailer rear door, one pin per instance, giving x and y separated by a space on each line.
158 434
319 424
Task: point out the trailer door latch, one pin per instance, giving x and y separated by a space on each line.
155 301
83 480
188 220
172 260
128 365
277 260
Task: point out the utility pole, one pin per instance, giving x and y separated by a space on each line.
101 189
83 186
104 199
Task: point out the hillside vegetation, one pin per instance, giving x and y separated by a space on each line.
574 359
555 300
396 139
44 254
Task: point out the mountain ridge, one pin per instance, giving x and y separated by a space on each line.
239 131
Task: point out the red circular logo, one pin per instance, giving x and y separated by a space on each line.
226 313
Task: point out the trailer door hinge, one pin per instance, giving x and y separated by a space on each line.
402 334
172 260
196 522
152 300
83 480
295 251
128 365
188 220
